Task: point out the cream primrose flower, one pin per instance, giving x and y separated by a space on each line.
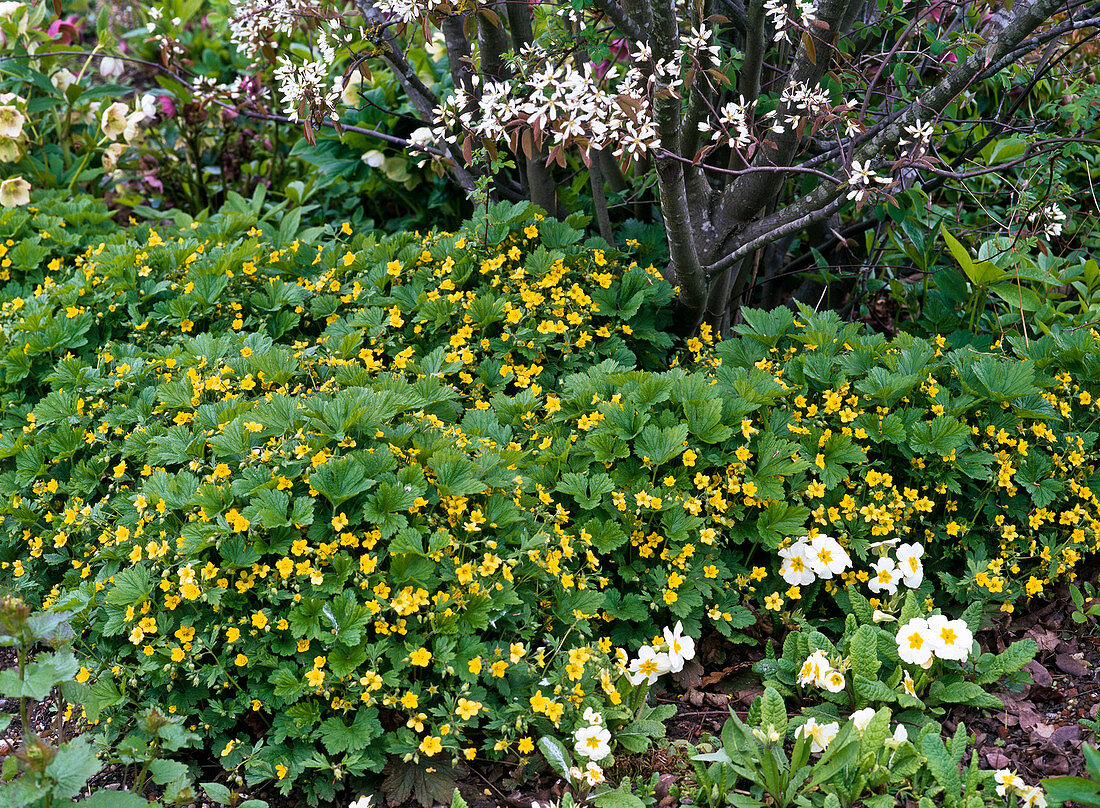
879 616
826 557
592 742
884 576
820 735
900 736
908 685
113 122
833 681
795 568
1008 782
814 668
680 649
1034 798
915 643
909 564
15 192
593 774
648 666
592 717
861 718
951 639
362 802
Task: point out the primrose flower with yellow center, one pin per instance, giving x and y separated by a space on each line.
648 666
795 568
884 576
915 643
593 742
909 564
680 649
820 735
826 557
950 639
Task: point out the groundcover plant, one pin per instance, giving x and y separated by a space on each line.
359 512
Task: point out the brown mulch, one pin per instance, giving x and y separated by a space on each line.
1038 734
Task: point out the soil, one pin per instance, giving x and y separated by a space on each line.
1039 733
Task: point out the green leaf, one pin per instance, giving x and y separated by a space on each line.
1009 661
979 272
659 445
457 801
218 793
339 737
556 755
114 799
1071 789
620 798
773 712
71 767
863 651
968 693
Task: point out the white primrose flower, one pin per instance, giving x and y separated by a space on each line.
680 648
826 557
908 685
884 576
814 669
362 802
909 564
951 639
879 616
592 742
915 643
1034 798
648 666
820 735
861 718
592 717
593 774
1008 782
795 568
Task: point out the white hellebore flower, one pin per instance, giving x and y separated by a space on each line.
680 648
114 120
592 742
915 643
820 735
861 718
884 576
648 666
795 568
362 802
373 158
909 564
951 639
15 192
11 121
826 557
63 79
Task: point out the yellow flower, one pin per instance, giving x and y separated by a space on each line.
315 678
410 701
498 668
526 746
431 745
774 601
474 666
240 661
689 458
420 657
232 634
467 709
